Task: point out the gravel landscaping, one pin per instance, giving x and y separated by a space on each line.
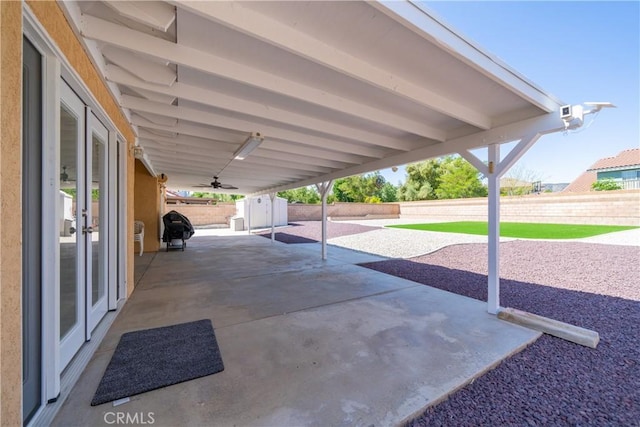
311 231
551 382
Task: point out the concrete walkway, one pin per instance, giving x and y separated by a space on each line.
305 342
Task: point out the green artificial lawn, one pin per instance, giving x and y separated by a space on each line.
520 230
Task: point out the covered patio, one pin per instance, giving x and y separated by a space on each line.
254 98
248 98
304 341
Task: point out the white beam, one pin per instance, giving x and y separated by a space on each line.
252 163
184 152
118 35
221 100
190 142
208 166
516 153
414 16
266 29
278 155
178 148
153 96
238 137
211 167
184 128
476 162
144 69
155 14
143 106
309 151
158 157
160 119
322 162
547 123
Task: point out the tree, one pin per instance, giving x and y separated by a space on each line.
388 193
370 188
220 197
459 179
605 185
443 178
422 180
307 195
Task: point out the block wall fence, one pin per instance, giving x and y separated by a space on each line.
610 207
205 214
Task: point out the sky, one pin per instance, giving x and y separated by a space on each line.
576 51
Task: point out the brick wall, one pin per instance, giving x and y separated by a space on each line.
606 207
337 211
206 214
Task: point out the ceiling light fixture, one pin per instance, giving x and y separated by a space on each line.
248 146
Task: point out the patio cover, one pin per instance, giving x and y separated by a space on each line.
334 88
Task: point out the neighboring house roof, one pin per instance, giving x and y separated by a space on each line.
624 159
582 183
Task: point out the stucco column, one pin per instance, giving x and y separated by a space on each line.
147 206
10 207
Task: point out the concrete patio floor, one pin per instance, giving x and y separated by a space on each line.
304 342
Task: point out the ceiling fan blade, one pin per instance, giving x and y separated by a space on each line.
228 187
202 186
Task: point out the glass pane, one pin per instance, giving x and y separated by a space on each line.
97 200
68 236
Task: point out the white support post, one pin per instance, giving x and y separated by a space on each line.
493 171
248 215
272 197
324 188
493 297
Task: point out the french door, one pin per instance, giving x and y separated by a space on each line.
83 196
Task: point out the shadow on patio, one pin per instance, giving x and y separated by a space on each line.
304 341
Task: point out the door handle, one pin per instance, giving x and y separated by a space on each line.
72 230
86 230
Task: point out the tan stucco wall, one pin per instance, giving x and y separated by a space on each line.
10 231
147 206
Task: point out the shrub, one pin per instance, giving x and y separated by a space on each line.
605 185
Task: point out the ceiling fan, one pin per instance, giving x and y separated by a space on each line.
217 185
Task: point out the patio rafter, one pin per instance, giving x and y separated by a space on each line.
270 31
218 99
100 30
